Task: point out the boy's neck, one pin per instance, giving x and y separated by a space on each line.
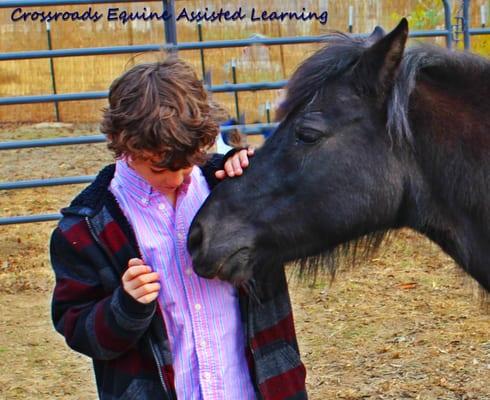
171 197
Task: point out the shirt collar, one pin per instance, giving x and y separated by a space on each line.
187 181
138 187
132 182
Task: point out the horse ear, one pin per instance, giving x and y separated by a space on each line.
379 63
377 34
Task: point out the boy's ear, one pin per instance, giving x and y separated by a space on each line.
378 66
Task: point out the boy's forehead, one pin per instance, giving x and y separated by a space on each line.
155 160
151 158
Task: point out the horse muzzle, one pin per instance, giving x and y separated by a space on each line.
229 260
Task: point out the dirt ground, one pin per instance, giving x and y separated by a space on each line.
404 324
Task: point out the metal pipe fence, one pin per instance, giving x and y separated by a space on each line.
171 45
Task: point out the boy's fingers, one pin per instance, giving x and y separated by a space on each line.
229 169
250 150
145 290
135 261
235 161
141 280
243 158
148 298
221 174
133 272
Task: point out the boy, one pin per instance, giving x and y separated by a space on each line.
126 294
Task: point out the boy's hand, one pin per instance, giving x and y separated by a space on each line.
140 282
235 164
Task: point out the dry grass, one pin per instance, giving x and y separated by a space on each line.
402 325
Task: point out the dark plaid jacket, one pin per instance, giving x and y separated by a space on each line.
90 249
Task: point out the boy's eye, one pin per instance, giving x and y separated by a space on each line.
157 170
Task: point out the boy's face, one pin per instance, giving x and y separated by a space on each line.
164 180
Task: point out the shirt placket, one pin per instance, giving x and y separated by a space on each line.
182 298
208 376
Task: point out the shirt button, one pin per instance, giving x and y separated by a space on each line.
207 376
180 236
161 207
202 343
188 271
197 307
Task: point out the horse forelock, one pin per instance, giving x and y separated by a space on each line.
338 55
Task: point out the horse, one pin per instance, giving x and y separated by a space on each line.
372 137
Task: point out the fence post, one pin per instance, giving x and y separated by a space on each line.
170 24
465 21
234 78
448 24
201 51
351 18
51 68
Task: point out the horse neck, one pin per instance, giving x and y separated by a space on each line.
450 171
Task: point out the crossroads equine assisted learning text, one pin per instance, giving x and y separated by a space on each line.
122 15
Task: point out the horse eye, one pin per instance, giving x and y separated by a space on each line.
308 135
310 128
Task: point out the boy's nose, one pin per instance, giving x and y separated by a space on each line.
178 177
184 176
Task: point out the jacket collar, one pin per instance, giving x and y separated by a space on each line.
94 196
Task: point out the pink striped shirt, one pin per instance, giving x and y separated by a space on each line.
201 316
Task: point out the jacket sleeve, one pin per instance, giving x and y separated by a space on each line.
98 322
215 163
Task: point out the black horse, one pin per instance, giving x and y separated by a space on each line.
372 138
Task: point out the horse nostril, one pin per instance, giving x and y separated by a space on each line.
195 238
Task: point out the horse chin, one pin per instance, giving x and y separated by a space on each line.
236 278
236 268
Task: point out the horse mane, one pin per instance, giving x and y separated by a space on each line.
342 52
342 257
455 67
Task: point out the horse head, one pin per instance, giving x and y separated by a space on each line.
346 162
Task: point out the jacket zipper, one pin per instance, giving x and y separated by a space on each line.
111 258
160 374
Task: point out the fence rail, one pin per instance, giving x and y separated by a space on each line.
170 45
249 129
212 44
226 87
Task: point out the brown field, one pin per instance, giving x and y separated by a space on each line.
402 325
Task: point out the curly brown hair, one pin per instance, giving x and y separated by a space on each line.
161 108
